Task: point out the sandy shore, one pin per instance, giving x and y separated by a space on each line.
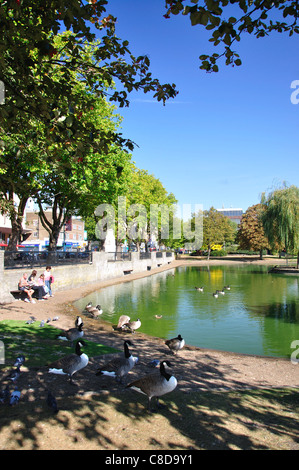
195 368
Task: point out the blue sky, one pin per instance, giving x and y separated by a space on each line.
227 137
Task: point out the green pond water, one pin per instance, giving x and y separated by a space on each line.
258 315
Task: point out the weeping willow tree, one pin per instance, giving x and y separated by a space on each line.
281 218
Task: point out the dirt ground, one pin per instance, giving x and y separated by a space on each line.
98 413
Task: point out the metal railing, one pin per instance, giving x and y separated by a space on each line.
120 256
145 255
32 259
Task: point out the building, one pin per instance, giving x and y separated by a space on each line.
235 215
71 236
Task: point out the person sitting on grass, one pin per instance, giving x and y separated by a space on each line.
24 287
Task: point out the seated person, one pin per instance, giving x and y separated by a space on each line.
36 286
25 287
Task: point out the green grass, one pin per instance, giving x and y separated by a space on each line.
39 345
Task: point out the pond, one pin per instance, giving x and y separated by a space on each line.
258 315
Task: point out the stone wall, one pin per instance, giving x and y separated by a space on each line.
77 275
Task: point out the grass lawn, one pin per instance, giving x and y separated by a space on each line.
39 345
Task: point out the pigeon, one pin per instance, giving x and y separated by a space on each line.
14 397
55 318
14 375
51 400
42 323
4 395
19 361
154 363
48 320
29 322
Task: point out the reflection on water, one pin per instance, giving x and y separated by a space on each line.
259 315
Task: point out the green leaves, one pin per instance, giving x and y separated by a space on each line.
259 18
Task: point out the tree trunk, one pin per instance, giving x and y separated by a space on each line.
16 215
261 253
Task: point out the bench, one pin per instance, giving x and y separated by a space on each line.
128 271
21 295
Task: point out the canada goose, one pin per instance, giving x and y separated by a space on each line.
158 316
200 289
70 364
122 320
72 334
221 292
88 307
226 287
133 325
119 366
175 344
96 311
215 294
78 321
155 385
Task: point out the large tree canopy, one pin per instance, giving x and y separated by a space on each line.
28 53
229 20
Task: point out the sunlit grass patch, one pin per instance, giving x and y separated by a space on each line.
39 344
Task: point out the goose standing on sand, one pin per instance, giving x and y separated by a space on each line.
72 334
133 325
119 367
155 385
70 364
175 344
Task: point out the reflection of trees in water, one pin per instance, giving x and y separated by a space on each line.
286 312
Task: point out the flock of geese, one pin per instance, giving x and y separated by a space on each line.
152 385
216 293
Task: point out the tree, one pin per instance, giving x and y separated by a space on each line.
251 234
280 218
229 20
147 191
29 52
21 163
70 174
217 229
